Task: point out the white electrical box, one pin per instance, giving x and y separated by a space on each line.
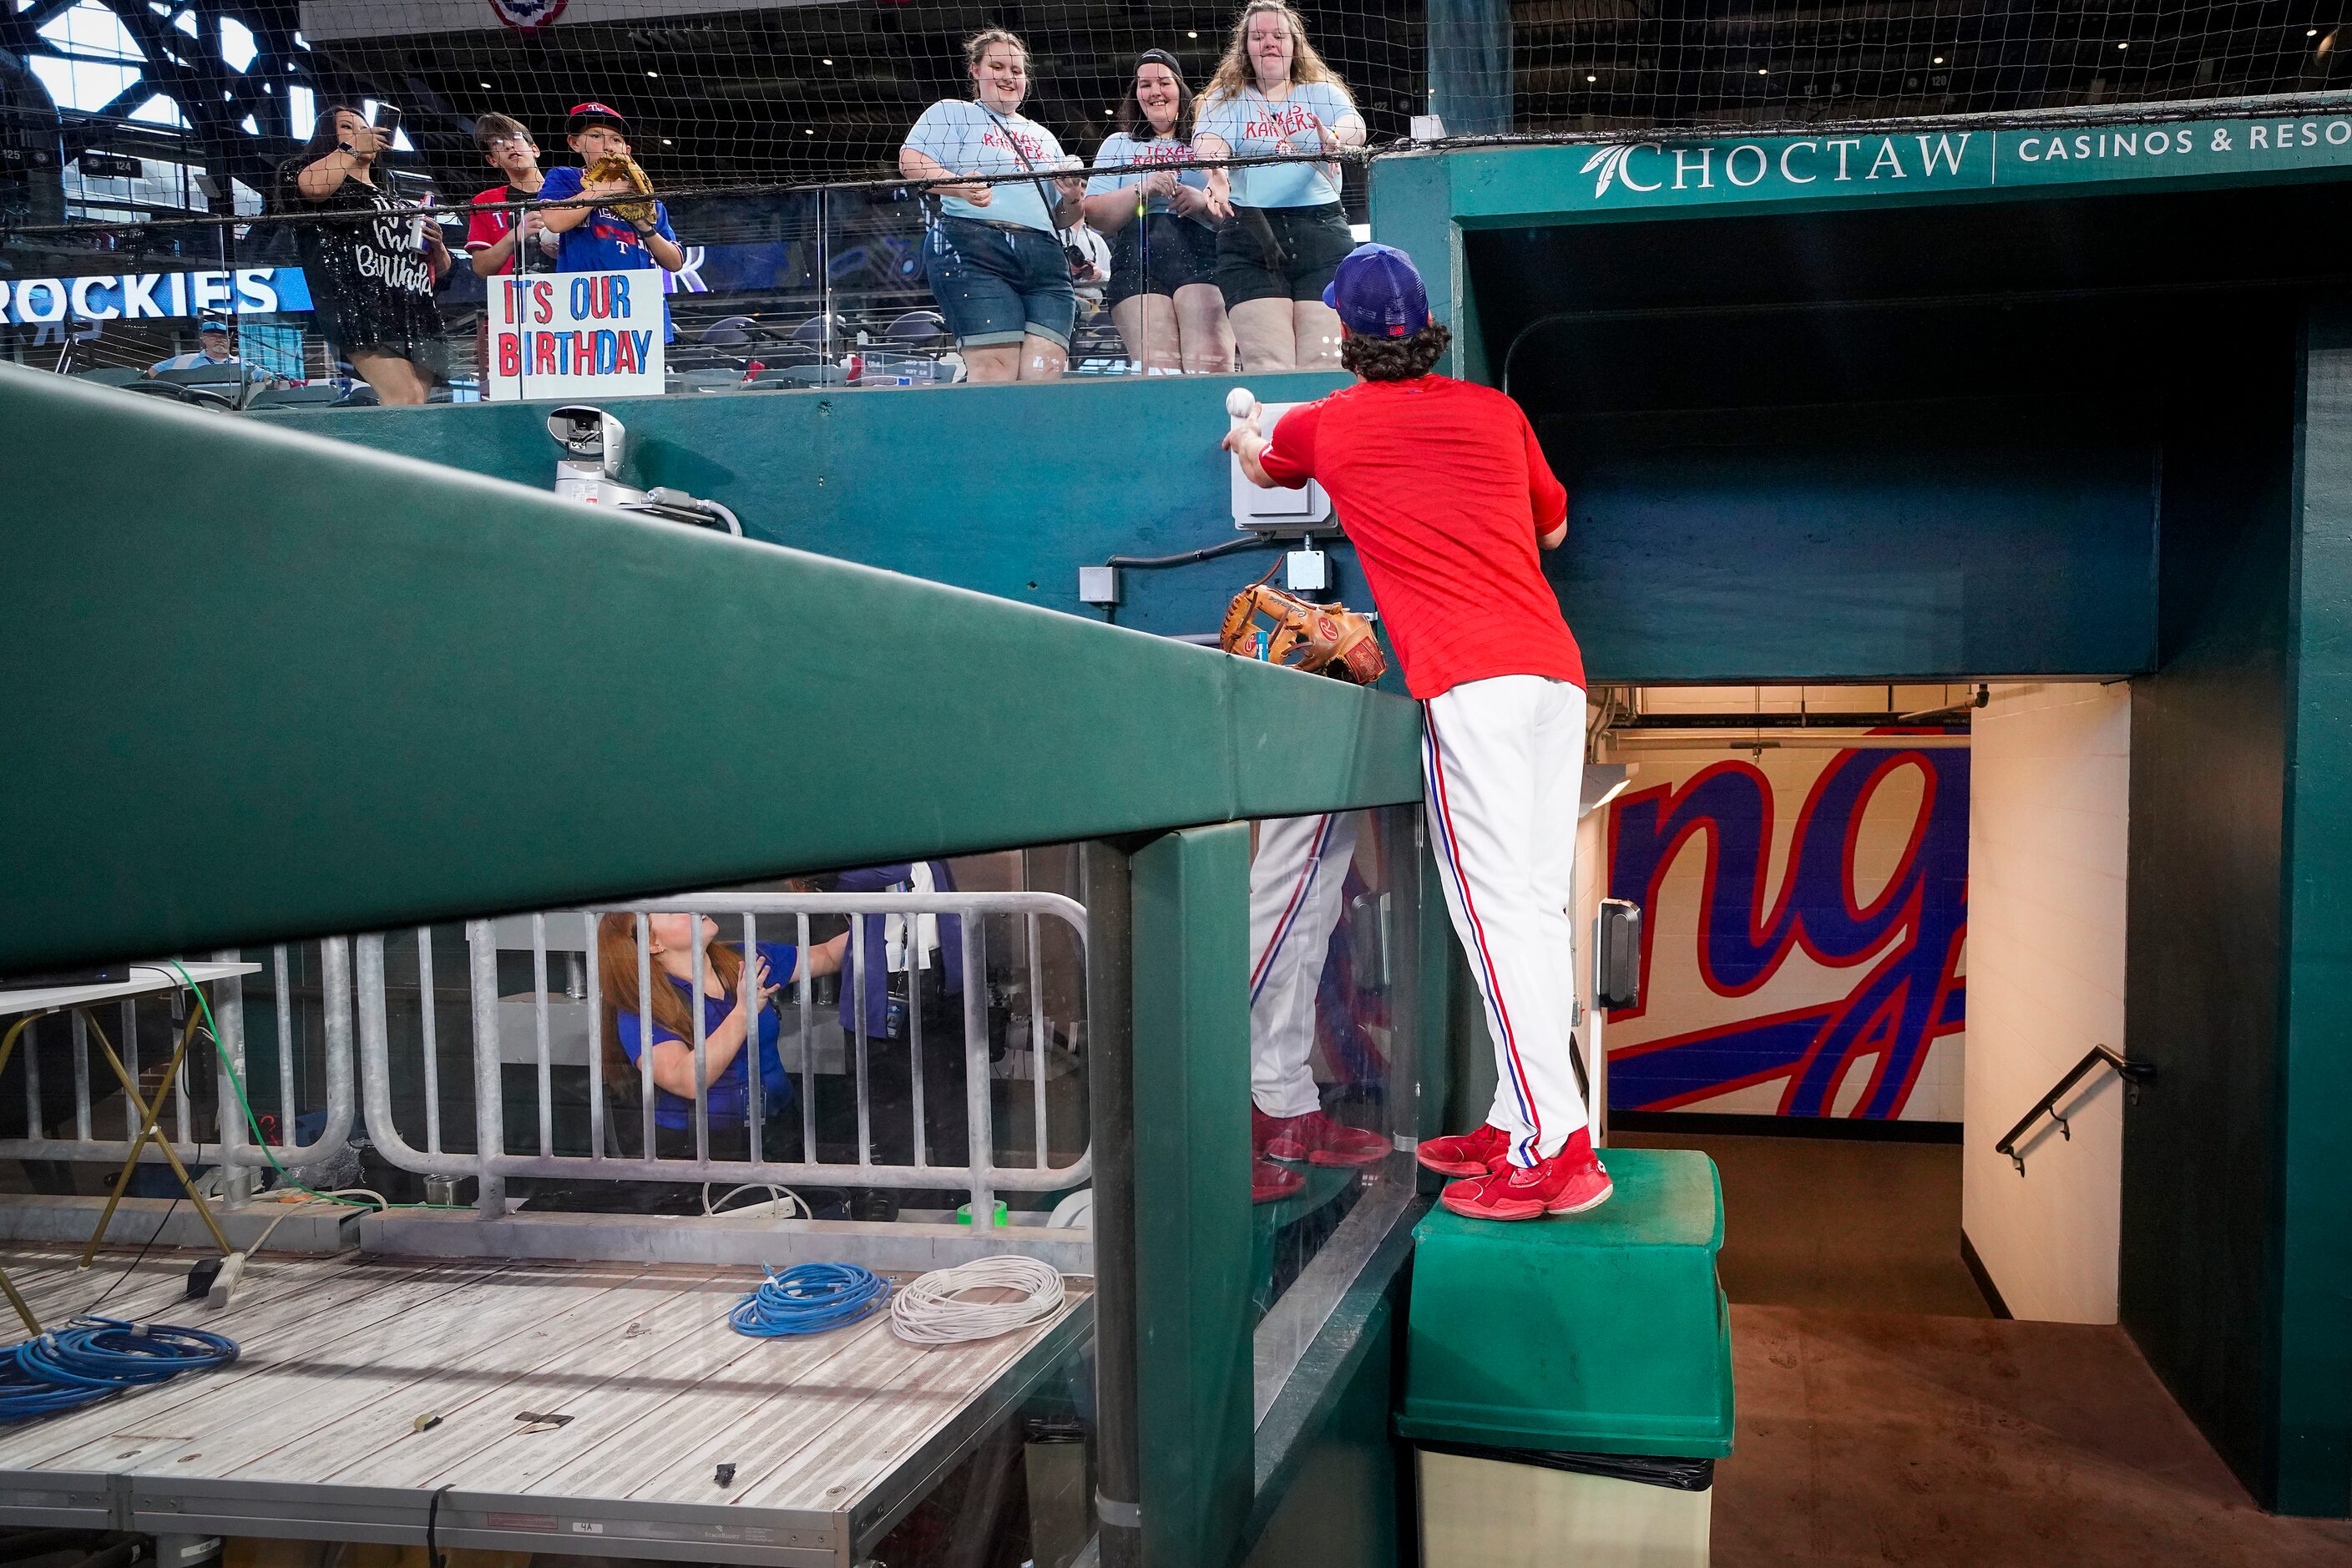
1277 510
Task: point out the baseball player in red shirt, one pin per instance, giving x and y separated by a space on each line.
1444 493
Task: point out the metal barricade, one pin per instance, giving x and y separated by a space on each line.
571 934
232 1143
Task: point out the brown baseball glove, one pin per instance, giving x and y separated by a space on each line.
617 166
1263 622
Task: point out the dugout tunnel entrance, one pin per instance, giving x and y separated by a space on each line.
2073 436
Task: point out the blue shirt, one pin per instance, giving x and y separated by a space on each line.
729 1094
968 138
605 242
1120 150
893 878
1254 126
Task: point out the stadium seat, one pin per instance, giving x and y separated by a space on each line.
728 331
220 396
714 378
917 330
296 396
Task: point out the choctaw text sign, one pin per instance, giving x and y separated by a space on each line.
575 334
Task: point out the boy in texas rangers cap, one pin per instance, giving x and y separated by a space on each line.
1443 490
606 239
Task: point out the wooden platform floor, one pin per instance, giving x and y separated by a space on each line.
314 1434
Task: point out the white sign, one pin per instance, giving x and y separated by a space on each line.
575 335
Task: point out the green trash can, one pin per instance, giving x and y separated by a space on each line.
1567 1381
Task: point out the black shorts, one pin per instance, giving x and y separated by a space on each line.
1281 253
1182 253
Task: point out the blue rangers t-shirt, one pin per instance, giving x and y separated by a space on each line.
1142 156
606 242
968 138
1254 126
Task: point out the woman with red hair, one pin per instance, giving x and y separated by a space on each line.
737 1011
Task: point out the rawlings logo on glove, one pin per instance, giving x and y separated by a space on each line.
1263 622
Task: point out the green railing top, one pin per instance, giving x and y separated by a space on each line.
268 684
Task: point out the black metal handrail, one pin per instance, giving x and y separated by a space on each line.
2134 1074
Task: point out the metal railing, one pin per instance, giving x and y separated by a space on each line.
490 1163
2134 1074
232 1143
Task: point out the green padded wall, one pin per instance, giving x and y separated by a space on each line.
283 685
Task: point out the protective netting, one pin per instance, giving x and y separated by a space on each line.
775 132
1602 65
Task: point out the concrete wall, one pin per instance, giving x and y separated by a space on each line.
2048 841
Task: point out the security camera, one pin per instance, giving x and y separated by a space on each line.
593 444
588 434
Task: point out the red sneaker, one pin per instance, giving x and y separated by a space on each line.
1564 1184
1315 1139
1269 1181
1478 1154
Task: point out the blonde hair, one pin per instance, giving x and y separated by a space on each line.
975 48
1233 72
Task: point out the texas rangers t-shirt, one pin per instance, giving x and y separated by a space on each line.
1252 126
1443 490
1121 152
490 222
606 242
967 137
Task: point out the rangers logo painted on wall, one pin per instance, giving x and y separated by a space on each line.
527 15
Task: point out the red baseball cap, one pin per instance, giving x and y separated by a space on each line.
583 115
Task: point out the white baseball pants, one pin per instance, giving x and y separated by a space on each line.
1504 764
1296 881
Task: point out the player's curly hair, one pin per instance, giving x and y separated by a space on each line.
1396 359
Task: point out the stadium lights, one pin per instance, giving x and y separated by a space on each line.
1762 71
1589 77
666 141
2123 46
653 73
828 62
1192 35
487 84
1939 59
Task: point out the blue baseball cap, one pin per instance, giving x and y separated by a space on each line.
1378 293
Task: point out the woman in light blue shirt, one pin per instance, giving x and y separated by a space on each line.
1154 206
995 255
1273 96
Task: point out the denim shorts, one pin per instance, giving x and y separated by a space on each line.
1281 253
996 284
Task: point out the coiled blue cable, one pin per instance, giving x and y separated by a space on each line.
90 1359
809 1299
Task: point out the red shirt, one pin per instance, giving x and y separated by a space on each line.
485 229
1442 490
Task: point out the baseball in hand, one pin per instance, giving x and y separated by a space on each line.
1240 404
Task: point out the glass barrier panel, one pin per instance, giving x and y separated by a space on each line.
1332 911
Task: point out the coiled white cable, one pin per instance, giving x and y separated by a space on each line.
929 1311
